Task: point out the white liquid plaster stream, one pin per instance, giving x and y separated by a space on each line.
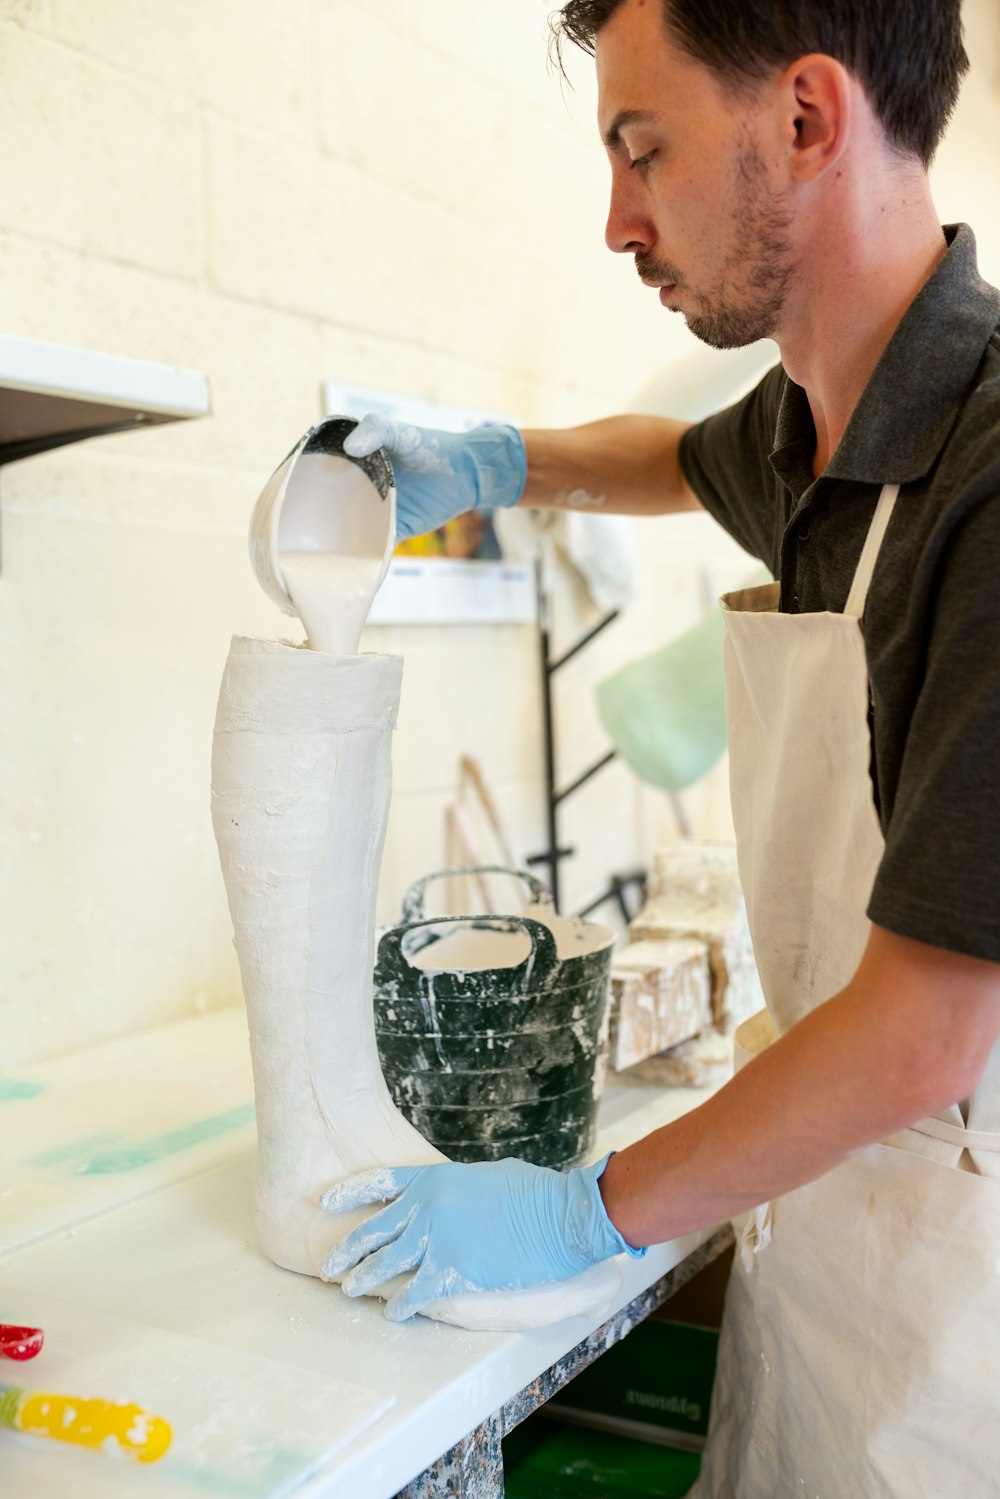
301 773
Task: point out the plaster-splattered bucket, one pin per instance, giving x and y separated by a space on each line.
491 1028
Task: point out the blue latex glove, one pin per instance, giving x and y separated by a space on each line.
441 474
492 1226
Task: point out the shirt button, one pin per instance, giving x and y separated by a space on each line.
795 602
804 531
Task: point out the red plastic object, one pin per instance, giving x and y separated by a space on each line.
20 1342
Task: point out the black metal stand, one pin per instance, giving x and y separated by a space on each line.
554 854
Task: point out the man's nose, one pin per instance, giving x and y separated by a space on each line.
628 230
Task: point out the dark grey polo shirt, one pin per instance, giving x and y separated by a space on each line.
929 420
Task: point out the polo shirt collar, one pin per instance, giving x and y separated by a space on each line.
910 404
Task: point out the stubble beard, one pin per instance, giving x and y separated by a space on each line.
746 303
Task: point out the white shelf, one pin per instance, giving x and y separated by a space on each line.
52 394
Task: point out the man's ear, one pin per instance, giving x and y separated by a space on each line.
816 96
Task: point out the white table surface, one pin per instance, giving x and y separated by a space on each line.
170 1245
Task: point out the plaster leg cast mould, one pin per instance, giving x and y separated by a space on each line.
300 793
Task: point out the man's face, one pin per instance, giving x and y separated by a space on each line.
692 197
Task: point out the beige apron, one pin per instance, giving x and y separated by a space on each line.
860 1352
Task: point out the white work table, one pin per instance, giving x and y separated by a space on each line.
126 1231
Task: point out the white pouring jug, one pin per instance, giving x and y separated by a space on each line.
322 534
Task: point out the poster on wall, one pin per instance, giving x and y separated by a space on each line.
456 574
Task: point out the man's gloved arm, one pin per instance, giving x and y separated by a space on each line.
441 474
492 1226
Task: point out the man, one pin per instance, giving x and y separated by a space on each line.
769 177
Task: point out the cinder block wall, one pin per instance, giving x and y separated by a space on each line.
391 193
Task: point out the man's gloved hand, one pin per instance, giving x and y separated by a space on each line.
441 474
492 1226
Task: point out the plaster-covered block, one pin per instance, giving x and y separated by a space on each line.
705 875
94 160
704 1061
694 891
660 995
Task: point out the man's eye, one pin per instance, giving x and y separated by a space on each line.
640 163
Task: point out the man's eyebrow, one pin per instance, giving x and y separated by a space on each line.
624 117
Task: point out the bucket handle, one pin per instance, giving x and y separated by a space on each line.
535 968
413 900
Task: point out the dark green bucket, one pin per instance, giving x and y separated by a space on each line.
489 1060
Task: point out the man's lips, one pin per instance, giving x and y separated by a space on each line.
665 289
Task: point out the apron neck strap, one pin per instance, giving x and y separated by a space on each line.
855 606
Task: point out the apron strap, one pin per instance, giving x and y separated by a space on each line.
858 595
957 1134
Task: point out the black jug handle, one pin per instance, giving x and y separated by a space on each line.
529 974
413 900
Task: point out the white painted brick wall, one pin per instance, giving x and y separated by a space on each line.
97 161
390 193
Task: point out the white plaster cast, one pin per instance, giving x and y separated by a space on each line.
300 794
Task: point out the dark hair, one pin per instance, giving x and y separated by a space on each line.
907 54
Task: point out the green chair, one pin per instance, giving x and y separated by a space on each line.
665 714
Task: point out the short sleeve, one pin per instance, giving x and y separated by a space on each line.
939 879
725 459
